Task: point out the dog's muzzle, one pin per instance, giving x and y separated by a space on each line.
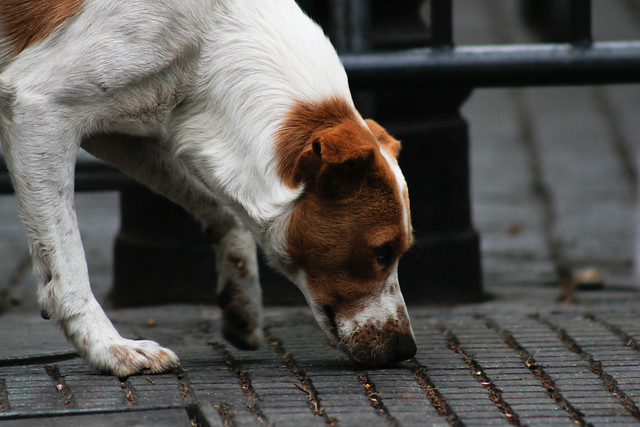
375 345
374 342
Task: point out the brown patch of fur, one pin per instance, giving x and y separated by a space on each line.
26 22
350 207
391 144
295 136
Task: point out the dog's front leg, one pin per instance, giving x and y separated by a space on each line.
238 294
40 152
152 163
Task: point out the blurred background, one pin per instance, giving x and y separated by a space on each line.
553 170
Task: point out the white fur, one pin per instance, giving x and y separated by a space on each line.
379 309
4 50
210 82
402 185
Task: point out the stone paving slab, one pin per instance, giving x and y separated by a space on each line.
528 362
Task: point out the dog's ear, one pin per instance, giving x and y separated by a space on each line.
391 144
334 158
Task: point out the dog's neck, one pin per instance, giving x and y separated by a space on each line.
257 64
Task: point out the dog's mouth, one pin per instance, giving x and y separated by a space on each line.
330 320
368 345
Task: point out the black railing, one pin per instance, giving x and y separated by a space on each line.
497 66
578 62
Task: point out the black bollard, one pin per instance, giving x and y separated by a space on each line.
161 255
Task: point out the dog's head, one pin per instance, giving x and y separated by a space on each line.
348 229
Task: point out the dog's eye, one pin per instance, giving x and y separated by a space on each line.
384 254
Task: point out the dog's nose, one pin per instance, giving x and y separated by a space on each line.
404 347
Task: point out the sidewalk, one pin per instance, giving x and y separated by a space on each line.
554 183
519 359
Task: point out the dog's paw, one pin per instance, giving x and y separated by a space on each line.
125 357
243 339
242 328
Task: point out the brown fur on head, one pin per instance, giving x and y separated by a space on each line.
351 224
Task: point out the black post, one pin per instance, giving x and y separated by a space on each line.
161 255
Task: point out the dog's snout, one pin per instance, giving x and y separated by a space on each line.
404 348
330 315
376 344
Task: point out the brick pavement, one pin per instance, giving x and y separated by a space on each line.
518 361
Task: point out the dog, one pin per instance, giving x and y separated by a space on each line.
240 112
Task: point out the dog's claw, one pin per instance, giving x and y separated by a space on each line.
128 357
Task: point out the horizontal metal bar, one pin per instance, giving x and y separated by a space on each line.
496 66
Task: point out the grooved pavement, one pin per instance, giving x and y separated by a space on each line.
518 361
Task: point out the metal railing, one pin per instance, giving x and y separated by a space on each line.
579 62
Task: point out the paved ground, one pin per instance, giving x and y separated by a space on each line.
554 183
521 359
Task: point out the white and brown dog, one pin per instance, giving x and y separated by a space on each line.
239 111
